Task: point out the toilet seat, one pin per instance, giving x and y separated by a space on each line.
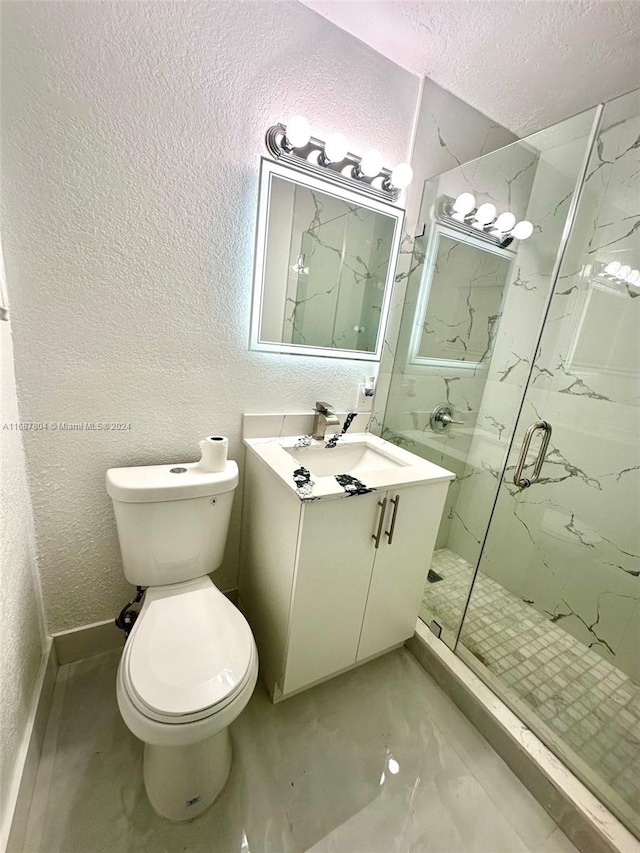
190 654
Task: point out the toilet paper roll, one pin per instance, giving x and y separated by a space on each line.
214 453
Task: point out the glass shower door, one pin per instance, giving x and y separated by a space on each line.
470 327
553 621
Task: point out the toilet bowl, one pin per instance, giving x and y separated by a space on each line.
190 663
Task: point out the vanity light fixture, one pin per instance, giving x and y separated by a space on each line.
293 143
503 224
401 176
298 133
370 165
485 215
482 221
616 273
523 230
463 205
335 150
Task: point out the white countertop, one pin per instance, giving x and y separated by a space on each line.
405 468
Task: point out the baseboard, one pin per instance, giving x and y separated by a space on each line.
86 641
98 637
582 817
32 747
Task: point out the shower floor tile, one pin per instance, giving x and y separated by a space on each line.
378 760
583 698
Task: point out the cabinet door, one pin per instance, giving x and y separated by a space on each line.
335 556
400 568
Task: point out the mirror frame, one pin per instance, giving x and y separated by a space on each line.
270 169
438 230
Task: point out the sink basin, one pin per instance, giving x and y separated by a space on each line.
356 458
377 463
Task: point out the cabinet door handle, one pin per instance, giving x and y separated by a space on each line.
389 533
378 534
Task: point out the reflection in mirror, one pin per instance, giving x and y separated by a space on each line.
614 307
460 301
325 261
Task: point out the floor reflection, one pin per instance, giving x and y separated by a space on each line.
375 761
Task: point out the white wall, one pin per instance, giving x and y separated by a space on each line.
21 618
133 133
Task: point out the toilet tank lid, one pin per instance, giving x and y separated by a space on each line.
180 481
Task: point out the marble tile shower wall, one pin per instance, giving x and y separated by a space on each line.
576 530
439 145
504 178
548 204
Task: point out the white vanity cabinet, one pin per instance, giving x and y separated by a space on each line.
318 593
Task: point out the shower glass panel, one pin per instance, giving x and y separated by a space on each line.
471 320
553 621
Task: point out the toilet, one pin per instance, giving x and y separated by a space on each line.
190 663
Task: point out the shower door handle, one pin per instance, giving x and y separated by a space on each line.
524 482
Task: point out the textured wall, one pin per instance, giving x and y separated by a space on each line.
528 64
133 133
21 620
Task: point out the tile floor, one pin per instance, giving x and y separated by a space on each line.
376 761
584 699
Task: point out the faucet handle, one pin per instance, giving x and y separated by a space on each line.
324 408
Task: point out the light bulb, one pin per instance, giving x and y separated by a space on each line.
402 175
612 268
298 131
504 223
623 272
523 230
464 204
336 148
485 214
633 276
371 163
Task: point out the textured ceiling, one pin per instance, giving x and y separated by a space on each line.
524 63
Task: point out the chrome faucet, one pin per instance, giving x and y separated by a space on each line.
324 418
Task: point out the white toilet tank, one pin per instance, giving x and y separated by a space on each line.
172 520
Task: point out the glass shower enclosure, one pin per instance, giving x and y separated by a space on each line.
518 369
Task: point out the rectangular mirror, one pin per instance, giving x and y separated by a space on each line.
460 300
325 262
